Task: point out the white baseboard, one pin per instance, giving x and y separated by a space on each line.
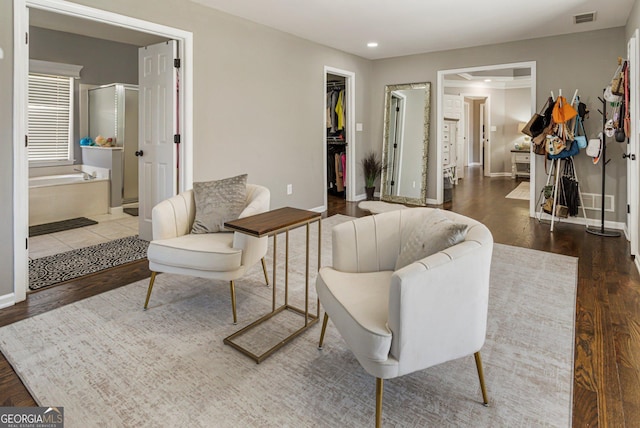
500 174
7 300
116 210
636 261
432 201
319 209
361 197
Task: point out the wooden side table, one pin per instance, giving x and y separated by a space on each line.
273 223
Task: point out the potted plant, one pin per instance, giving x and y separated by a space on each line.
372 168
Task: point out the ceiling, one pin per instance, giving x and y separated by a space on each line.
400 27
404 27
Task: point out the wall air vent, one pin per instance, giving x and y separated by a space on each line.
584 18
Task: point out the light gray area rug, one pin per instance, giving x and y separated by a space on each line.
520 192
109 363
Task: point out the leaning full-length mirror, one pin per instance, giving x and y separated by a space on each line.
404 147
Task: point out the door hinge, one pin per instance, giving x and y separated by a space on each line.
397 108
176 62
176 138
26 243
628 209
26 141
26 38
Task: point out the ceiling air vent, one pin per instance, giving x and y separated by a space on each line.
584 17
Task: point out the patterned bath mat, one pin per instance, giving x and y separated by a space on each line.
50 270
59 226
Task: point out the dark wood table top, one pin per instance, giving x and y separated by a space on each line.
272 222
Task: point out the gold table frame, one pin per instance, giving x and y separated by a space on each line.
273 223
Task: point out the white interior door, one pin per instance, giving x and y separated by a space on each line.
632 147
157 81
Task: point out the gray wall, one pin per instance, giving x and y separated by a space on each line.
6 148
562 62
103 62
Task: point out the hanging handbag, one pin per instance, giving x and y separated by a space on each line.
617 82
567 152
536 124
540 141
555 145
581 140
563 111
569 189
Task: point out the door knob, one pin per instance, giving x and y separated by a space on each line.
139 152
632 156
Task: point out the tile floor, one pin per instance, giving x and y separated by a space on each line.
109 227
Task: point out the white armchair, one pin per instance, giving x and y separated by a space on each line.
222 255
426 313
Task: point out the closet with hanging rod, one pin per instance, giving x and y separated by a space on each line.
336 135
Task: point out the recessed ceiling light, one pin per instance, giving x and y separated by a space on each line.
487 80
372 44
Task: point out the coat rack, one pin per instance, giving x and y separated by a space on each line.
553 176
594 230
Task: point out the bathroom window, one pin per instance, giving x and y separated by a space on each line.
50 112
50 119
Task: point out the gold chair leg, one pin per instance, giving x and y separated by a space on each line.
324 328
481 376
153 278
264 269
379 390
233 302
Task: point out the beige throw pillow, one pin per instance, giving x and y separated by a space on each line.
218 201
435 233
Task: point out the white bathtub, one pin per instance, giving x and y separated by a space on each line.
65 196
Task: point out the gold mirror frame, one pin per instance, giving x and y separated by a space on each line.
385 191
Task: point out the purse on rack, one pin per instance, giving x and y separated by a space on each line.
568 152
536 124
555 145
617 82
580 139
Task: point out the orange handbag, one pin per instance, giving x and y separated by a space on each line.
563 111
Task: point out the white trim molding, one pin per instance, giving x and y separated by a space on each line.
350 89
56 68
7 300
440 85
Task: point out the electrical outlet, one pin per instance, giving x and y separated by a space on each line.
289 189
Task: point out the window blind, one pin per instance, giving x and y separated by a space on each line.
50 118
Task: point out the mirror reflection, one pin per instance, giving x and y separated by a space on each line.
406 138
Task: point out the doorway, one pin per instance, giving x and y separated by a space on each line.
490 83
21 61
338 141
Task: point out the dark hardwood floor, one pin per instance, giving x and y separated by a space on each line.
606 389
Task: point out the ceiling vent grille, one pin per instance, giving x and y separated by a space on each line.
584 18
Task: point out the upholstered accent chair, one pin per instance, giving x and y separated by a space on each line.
400 320
222 255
